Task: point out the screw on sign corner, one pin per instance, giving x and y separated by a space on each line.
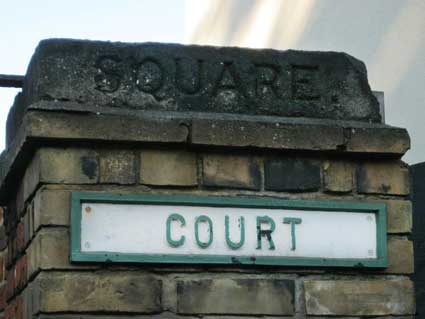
11 81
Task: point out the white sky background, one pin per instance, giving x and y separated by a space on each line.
388 35
23 23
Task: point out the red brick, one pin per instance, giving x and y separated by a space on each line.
20 238
3 300
9 256
2 267
3 238
19 308
10 311
10 283
21 272
15 310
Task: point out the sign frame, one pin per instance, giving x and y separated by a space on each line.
77 255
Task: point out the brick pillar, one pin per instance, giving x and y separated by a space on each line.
82 125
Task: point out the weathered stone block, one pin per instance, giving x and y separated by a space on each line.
399 216
231 171
390 178
292 175
68 166
168 167
359 297
29 223
370 140
27 302
400 256
115 292
20 199
236 296
278 133
49 250
150 76
30 180
165 315
55 125
51 208
62 166
118 167
338 176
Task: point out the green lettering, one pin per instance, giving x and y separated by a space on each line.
172 242
293 221
229 242
266 232
203 219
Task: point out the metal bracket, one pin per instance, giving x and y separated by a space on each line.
11 81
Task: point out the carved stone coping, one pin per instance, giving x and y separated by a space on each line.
190 78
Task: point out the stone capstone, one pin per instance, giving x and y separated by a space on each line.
171 77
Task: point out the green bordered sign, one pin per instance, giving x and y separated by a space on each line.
227 230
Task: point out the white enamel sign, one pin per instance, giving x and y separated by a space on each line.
209 231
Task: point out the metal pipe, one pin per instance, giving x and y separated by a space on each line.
11 81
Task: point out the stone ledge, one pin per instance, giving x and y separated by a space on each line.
216 129
189 129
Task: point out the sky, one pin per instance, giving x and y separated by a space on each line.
25 22
388 35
